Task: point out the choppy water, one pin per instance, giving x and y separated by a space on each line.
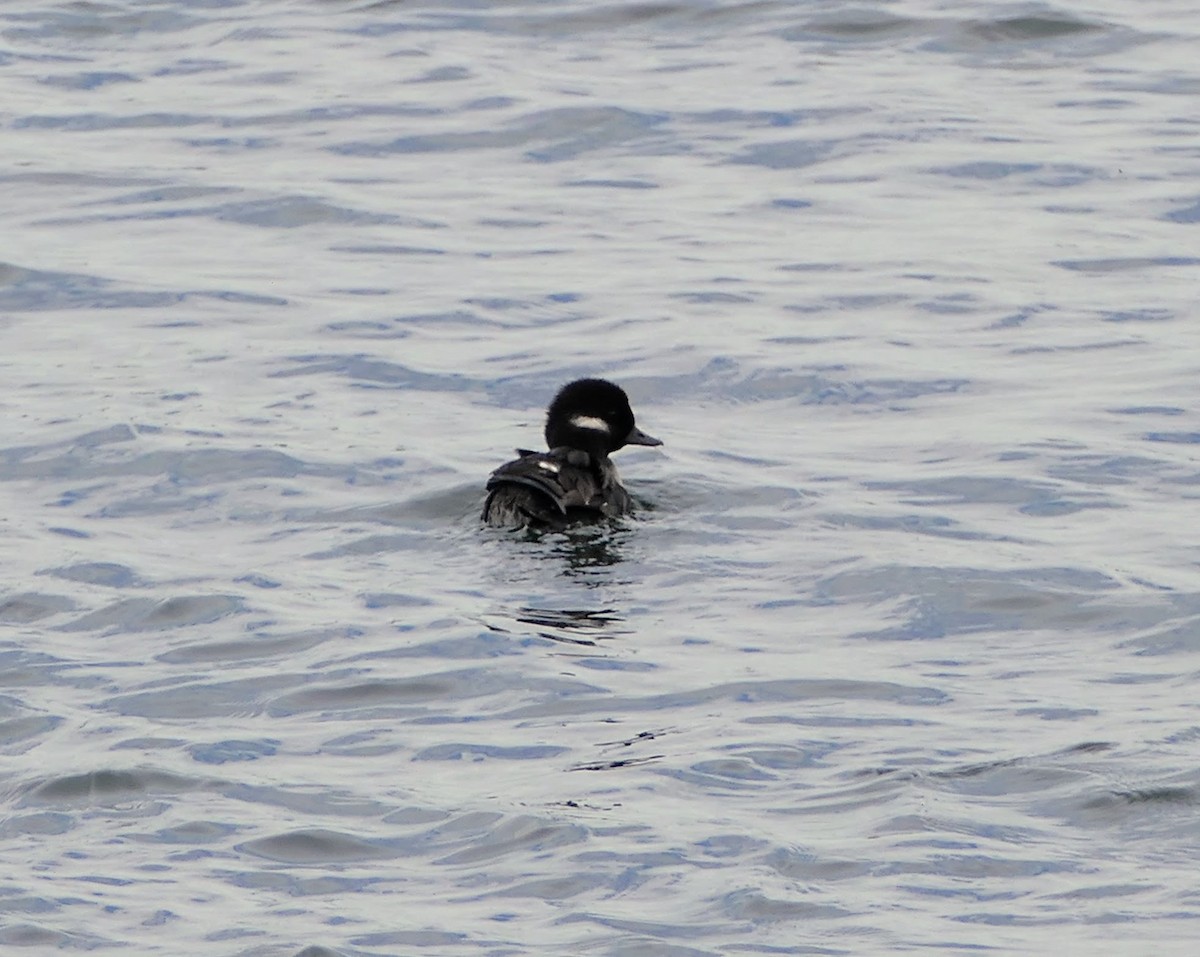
900 653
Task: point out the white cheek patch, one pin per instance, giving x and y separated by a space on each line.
590 422
548 466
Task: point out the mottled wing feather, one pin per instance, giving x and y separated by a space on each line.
514 506
559 480
550 492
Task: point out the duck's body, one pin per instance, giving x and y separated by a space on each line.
575 480
552 489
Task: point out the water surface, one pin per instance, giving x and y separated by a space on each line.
898 653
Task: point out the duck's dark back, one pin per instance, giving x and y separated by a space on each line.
548 489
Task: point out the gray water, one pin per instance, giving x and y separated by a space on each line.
900 651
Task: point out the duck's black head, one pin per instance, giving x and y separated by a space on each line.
593 415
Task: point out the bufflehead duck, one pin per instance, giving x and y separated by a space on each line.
588 420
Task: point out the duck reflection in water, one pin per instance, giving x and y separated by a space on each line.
586 549
569 626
